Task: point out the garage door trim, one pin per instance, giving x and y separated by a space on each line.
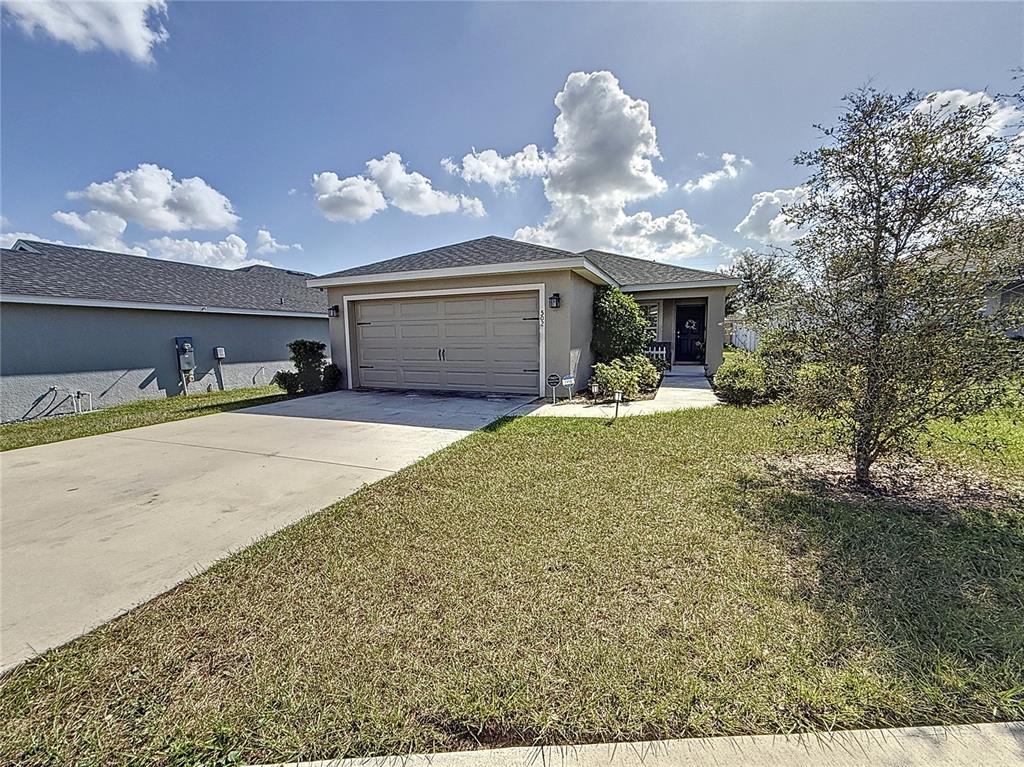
537 286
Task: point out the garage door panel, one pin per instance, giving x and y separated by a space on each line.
419 330
465 330
415 377
513 329
415 309
525 305
490 342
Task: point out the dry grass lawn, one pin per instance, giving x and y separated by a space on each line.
562 580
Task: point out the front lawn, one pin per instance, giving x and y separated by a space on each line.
144 412
558 581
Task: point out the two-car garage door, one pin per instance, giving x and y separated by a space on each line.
475 342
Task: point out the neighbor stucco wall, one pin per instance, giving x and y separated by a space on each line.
560 337
715 331
127 354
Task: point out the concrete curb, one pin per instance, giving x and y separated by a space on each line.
979 745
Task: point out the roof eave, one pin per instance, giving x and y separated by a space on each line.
579 265
100 303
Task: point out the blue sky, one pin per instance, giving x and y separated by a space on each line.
251 100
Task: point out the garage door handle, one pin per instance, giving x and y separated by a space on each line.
444 355
438 355
366 367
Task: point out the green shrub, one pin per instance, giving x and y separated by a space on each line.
780 354
648 376
615 376
740 380
620 327
332 378
309 358
661 364
287 380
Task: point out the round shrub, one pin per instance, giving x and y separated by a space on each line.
332 378
740 380
648 376
615 376
620 327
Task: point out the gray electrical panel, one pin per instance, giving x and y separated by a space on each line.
186 354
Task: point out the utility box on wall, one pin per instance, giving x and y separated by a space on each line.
186 354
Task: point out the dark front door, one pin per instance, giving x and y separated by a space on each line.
690 333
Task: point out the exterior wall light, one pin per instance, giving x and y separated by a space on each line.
334 311
555 300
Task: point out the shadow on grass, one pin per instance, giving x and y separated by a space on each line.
939 593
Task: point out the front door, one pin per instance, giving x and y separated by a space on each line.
690 333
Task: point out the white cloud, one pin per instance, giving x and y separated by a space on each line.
602 161
765 222
347 199
151 197
99 229
356 198
265 243
732 166
129 28
229 253
292 192
1002 116
7 239
491 168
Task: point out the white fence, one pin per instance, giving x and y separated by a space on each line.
745 337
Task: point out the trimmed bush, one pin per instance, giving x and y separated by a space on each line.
287 380
648 376
615 376
780 355
740 380
620 327
309 358
332 378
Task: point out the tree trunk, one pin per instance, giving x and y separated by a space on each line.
862 467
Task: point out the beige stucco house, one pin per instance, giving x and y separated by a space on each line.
499 315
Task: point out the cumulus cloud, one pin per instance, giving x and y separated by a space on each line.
151 197
489 167
602 161
128 28
732 166
229 253
265 243
766 222
7 239
347 199
98 229
1002 116
357 198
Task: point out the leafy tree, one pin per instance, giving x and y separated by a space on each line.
764 280
620 326
912 218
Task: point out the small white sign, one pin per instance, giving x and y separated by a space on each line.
568 380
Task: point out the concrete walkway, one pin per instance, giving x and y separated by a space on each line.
685 386
92 527
984 745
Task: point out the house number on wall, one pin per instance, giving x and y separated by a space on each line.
541 318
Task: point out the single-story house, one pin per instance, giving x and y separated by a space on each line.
80 325
499 315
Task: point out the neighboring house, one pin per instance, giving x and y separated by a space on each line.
498 315
79 320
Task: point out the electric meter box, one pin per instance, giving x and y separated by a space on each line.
186 354
218 353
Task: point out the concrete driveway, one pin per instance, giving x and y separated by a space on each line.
93 527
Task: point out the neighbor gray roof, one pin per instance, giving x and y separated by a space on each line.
488 251
61 271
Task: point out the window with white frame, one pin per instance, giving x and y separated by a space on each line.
651 312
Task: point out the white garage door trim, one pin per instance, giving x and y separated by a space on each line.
538 286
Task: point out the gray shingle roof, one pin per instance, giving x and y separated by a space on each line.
60 271
481 252
627 270
487 251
